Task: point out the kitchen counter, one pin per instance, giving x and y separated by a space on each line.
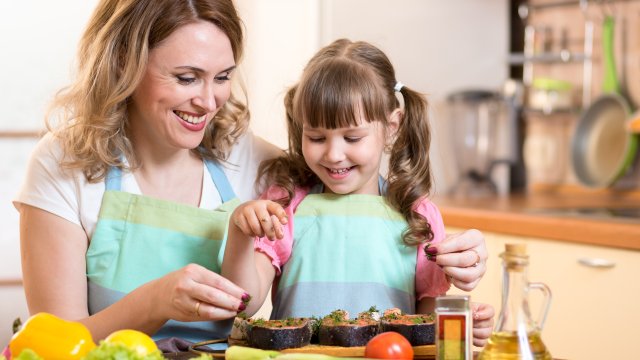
603 218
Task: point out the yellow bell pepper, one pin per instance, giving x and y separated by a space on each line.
52 338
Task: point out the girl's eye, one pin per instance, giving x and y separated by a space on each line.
185 80
352 139
315 139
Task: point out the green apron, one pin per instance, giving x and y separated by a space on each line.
348 252
139 239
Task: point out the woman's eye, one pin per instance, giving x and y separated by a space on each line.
222 78
352 139
186 80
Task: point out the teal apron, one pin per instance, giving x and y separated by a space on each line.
347 254
139 239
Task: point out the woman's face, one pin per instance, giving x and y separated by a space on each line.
186 82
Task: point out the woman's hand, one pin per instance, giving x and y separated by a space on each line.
195 293
463 258
482 323
260 218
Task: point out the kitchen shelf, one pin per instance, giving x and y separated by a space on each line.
565 111
561 57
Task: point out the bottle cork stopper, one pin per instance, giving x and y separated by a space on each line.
516 249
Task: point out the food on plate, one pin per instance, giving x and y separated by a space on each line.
278 334
388 345
419 329
51 337
337 329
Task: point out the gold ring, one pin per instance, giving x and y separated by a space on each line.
198 309
477 261
264 220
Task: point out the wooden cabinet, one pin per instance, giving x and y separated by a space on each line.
594 312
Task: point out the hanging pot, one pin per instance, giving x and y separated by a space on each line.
602 149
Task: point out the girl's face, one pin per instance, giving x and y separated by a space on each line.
347 160
186 82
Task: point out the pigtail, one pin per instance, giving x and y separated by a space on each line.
409 176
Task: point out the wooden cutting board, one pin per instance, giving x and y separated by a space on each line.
420 352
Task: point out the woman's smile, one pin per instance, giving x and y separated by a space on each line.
191 122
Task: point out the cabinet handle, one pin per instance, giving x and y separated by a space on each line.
597 263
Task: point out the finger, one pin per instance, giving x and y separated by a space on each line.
212 312
279 231
465 274
461 259
276 209
463 285
482 312
460 242
480 337
253 222
267 224
206 279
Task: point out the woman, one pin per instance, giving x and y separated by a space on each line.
152 113
125 204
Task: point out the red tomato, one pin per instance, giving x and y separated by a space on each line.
389 345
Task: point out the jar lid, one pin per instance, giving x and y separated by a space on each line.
452 302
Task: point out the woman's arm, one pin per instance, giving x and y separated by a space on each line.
55 281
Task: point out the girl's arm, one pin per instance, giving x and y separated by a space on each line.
55 281
250 269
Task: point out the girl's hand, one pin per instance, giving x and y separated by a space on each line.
482 323
260 218
463 258
195 293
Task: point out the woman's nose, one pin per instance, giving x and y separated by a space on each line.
206 98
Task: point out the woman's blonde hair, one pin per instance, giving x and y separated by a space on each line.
90 115
342 79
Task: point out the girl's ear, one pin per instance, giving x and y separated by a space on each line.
395 119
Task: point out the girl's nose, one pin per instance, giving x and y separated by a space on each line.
206 98
334 153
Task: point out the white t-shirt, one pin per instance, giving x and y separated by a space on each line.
68 194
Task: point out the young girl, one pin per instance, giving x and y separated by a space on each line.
345 238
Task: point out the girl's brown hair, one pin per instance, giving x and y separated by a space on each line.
339 80
91 113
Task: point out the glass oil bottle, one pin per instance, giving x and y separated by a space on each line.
516 334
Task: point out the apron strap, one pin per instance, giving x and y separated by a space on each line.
220 180
113 180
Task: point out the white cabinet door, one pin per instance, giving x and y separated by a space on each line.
594 313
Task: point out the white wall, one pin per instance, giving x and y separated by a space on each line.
38 40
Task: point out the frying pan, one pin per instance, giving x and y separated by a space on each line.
602 150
